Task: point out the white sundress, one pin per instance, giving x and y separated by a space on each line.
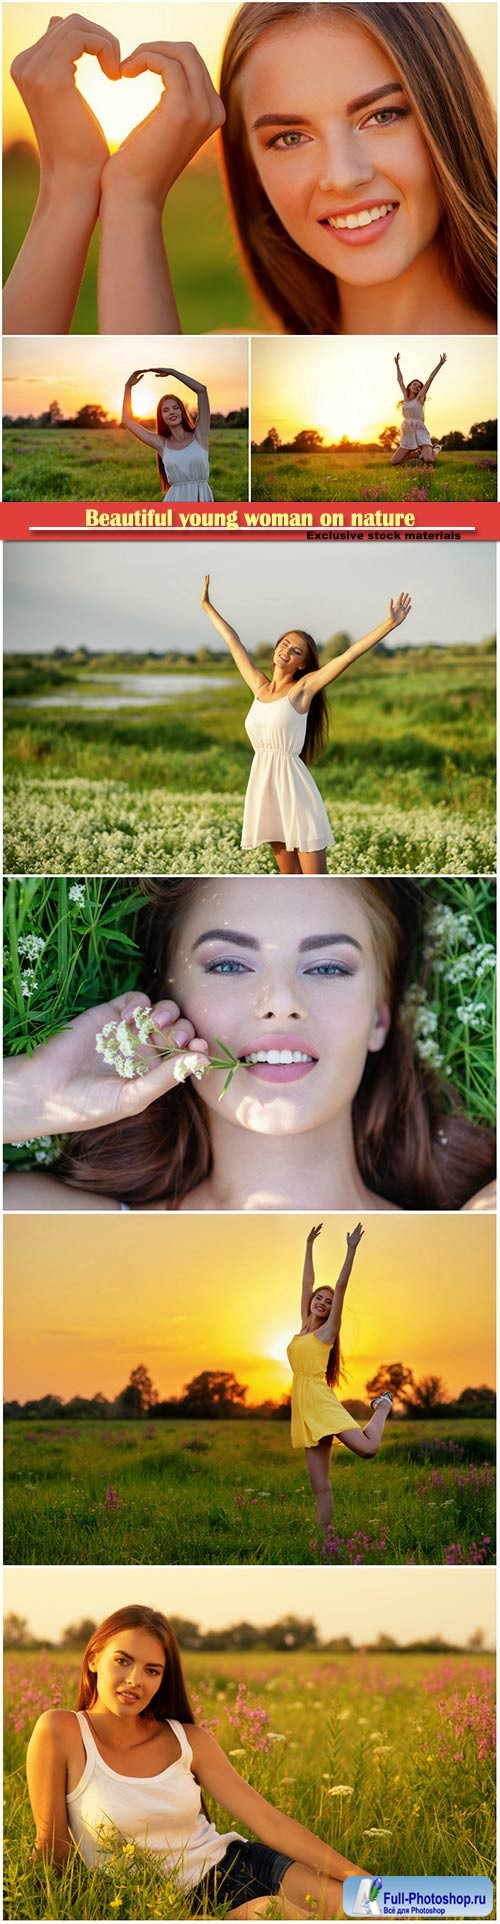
282 802
186 470
414 433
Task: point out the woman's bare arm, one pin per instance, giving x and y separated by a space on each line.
399 374
431 377
308 1272
128 418
243 661
309 685
46 1770
220 1780
331 1327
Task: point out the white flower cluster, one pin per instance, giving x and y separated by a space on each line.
77 894
120 1047
111 829
424 1024
47 1148
29 949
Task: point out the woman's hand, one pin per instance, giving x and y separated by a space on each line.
313 1233
354 1237
398 610
189 111
71 142
396 358
138 375
442 359
205 593
66 1086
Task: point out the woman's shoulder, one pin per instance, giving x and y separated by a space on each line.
484 1199
56 1729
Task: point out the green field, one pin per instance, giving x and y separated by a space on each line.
236 1492
53 464
408 777
211 291
339 477
389 1758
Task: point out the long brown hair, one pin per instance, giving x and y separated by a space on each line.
457 122
188 423
317 718
335 1365
414 1145
171 1698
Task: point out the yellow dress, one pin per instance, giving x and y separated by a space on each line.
316 1410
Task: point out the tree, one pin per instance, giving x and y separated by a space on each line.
78 1634
272 442
336 645
453 441
140 1395
16 1632
91 416
389 439
429 1393
213 1393
291 1633
394 1377
483 434
477 1640
308 441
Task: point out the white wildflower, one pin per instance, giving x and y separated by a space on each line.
77 894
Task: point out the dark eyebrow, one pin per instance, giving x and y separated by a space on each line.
327 942
153 1663
378 94
280 120
227 935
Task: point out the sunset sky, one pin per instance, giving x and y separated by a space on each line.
404 1603
86 1301
72 372
121 104
347 386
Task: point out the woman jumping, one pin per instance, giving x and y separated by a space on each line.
415 437
180 442
317 1414
283 805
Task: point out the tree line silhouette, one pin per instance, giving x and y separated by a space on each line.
481 438
216 1394
92 415
289 1633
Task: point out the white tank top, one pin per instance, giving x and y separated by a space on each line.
162 1813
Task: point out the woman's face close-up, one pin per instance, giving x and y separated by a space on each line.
338 149
291 977
129 1672
171 413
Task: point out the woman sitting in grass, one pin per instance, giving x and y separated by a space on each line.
130 1766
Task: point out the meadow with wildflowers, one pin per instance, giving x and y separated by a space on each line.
388 1757
408 777
235 1492
368 476
52 464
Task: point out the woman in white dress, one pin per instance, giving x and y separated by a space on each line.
180 443
288 726
415 437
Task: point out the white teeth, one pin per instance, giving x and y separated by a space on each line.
279 1056
365 218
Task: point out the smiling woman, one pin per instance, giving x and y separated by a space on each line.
360 154
331 1103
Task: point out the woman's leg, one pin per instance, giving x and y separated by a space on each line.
400 455
313 863
257 1909
287 859
318 1464
366 1442
307 1895
428 455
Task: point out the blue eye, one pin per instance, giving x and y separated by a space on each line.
328 969
227 966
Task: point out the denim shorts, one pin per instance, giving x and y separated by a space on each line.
245 1872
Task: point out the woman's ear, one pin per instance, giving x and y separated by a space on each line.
380 1028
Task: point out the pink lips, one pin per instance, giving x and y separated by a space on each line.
361 236
279 1072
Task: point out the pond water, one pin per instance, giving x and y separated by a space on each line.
128 691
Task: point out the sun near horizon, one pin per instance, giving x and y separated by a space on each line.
182 1294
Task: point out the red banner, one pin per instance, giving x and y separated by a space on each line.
274 520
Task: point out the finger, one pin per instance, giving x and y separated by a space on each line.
156 56
159 1081
83 36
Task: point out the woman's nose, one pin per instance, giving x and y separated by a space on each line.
344 165
280 995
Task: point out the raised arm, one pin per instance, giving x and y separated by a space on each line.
308 1272
399 374
128 418
330 1328
320 677
431 377
243 661
202 425
46 1769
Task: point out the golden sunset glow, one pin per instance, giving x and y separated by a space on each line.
120 105
345 386
88 1298
74 372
